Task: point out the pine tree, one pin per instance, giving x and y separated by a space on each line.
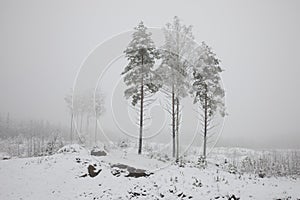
138 74
174 71
207 88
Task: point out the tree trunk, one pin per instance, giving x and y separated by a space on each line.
28 148
81 119
31 145
96 130
71 131
42 148
77 122
141 111
87 129
173 120
177 129
18 149
87 124
205 125
34 147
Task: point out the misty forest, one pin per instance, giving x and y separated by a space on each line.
80 159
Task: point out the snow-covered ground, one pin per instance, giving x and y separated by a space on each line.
64 175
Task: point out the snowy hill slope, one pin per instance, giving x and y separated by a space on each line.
65 176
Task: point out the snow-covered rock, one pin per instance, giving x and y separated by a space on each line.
96 151
73 148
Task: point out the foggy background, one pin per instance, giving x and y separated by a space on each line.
43 44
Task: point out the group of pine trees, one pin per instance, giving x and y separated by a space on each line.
185 69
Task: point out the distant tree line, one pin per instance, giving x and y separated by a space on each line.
26 138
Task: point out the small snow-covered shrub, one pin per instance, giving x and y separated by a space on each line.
53 146
148 147
261 174
247 165
197 182
232 169
158 156
73 148
202 163
123 144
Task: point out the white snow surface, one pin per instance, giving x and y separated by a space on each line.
58 177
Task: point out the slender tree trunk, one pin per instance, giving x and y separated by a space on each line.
77 121
42 148
176 101
141 121
28 147
34 147
205 126
81 119
173 120
177 129
76 126
87 123
18 149
96 129
71 131
87 129
39 147
141 111
31 145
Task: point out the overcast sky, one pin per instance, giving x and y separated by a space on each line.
43 44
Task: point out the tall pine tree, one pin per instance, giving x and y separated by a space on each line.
207 89
138 74
174 71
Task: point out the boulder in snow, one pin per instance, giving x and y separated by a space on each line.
129 171
98 152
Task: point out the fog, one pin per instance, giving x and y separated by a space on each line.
44 45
